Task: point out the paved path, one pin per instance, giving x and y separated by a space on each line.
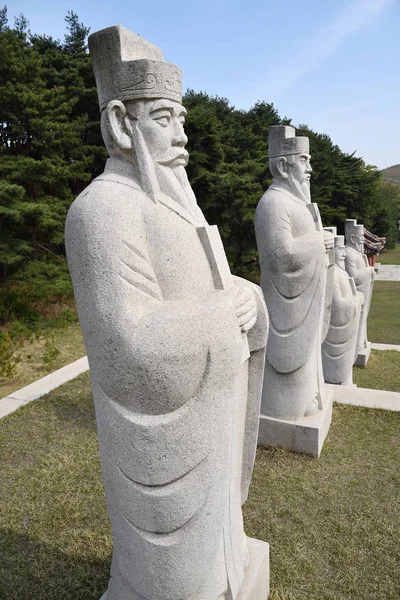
385 347
388 273
42 386
365 397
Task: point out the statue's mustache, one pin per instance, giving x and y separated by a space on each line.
173 155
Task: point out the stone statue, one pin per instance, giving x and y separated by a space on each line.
339 348
175 345
295 258
363 275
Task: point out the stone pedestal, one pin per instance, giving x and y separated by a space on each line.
305 435
363 356
256 582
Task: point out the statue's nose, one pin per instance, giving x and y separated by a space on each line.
180 137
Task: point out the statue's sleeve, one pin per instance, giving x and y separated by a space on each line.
133 334
343 306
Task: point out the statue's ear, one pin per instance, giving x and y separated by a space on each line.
282 167
119 125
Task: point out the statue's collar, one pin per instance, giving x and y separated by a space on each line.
120 170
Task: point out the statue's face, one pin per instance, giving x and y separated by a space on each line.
340 256
299 175
357 239
161 123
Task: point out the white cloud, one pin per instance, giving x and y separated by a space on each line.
354 17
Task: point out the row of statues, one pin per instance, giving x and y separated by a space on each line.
184 357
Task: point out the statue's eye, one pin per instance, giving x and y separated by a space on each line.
163 120
182 120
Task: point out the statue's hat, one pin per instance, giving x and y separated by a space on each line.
351 226
332 229
282 141
339 240
128 67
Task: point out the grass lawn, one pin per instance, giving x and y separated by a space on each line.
38 358
381 373
390 257
384 314
332 523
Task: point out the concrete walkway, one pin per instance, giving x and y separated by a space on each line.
364 397
388 273
385 347
42 386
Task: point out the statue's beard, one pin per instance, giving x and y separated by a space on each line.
301 189
358 246
174 182
340 261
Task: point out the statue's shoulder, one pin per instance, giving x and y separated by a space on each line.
273 201
106 196
352 254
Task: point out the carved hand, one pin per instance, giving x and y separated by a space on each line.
245 304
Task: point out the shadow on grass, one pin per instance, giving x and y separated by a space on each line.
72 403
32 570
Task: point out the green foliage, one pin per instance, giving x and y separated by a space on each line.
50 143
386 212
228 170
51 148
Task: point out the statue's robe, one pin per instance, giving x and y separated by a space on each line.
339 349
293 279
363 275
177 400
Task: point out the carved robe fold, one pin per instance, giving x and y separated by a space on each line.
293 280
177 406
339 349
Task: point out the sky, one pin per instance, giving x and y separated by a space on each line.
333 65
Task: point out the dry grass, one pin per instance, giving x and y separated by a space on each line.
381 373
332 523
34 357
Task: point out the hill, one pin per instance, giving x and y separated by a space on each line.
392 174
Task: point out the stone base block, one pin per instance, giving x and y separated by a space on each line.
256 582
363 356
306 435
